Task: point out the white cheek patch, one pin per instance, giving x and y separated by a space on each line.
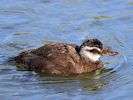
88 55
93 57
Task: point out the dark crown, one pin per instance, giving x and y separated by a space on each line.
92 43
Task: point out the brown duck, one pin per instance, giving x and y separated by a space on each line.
63 58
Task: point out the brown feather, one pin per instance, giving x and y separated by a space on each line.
56 58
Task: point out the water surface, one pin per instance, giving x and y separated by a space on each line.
28 24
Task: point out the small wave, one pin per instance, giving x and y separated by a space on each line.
7 39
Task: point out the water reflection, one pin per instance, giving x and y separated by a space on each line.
130 3
90 82
102 17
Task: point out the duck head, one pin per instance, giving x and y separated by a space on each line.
93 49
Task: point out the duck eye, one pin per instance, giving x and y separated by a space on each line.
94 51
90 50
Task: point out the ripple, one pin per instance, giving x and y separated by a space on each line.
102 17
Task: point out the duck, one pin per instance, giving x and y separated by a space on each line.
64 58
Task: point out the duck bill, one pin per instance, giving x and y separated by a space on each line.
107 52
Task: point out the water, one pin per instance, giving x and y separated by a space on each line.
27 24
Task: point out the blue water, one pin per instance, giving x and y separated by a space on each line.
28 24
